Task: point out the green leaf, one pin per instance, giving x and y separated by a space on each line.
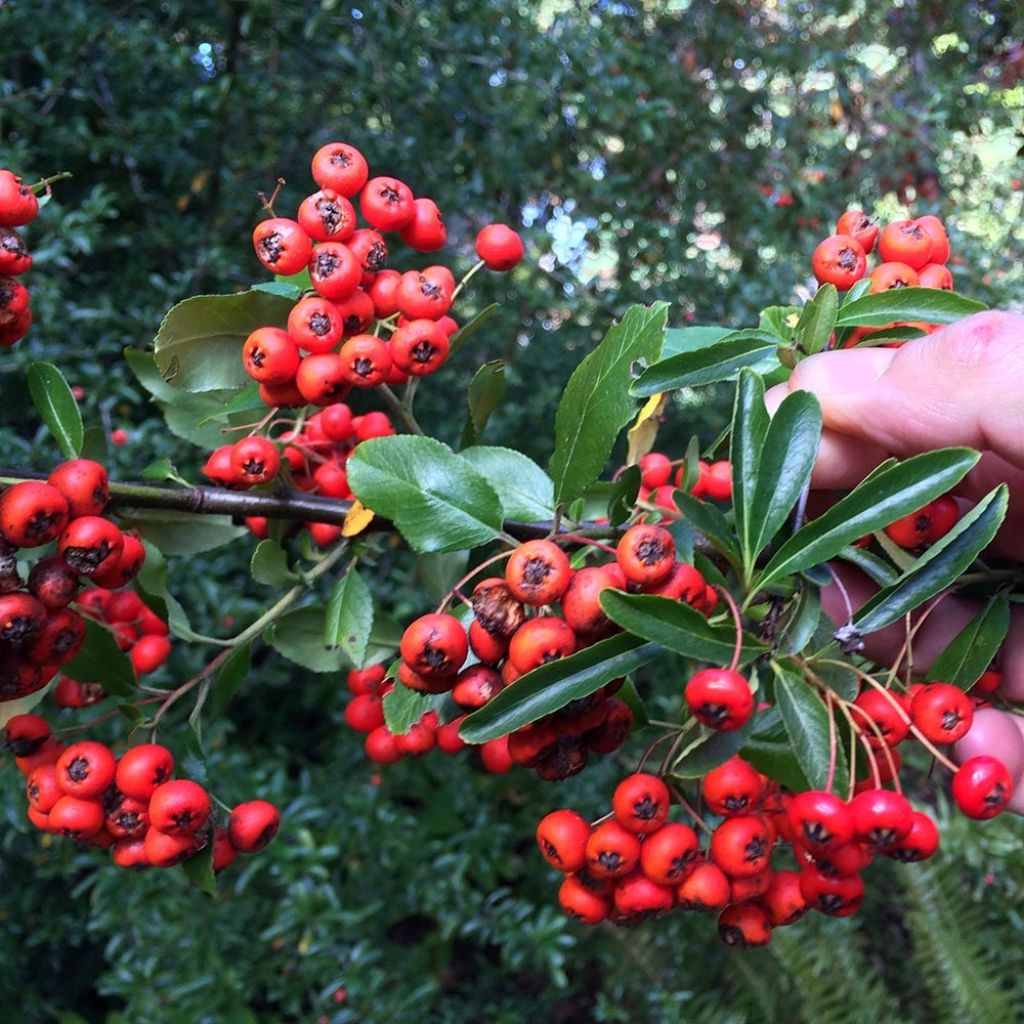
100 660
161 470
152 586
228 679
623 496
884 497
807 725
870 564
676 627
768 749
691 339
818 320
523 488
596 403
57 406
182 533
718 362
629 696
774 319
199 344
94 445
246 400
349 619
269 565
436 499
552 686
192 758
466 332
939 566
486 391
716 748
927 304
972 650
804 620
749 430
199 870
299 636
23 705
785 463
438 571
708 520
403 707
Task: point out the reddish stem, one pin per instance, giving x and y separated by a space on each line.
268 204
501 556
739 626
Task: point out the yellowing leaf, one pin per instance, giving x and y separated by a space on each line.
645 429
358 519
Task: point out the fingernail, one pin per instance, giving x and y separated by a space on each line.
829 373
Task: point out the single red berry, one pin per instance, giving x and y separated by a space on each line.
129 564
934 275
540 640
22 618
562 838
127 817
684 583
705 888
179 806
59 641
25 734
314 325
255 460
331 480
76 818
15 257
499 247
366 680
142 768
718 484
860 226
384 292
84 484
14 301
655 470
149 653
475 686
894 274
387 204
371 253
612 851
419 348
18 203
734 787
538 572
448 739
334 270
720 699
435 645
640 803
14 328
942 712
270 356
380 746
745 926
820 820
131 854
880 817
581 602
741 846
425 232
495 756
783 901
86 769
882 720
667 855
224 854
905 241
365 361
32 513
636 897
646 554
936 231
281 246
356 312
217 468
48 753
426 294
340 167
164 850
321 379
91 545
582 903
837 897
982 787
839 260
327 216
364 712
42 788
253 825
919 843
490 649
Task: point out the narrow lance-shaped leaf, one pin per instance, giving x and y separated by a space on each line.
927 304
468 330
939 566
57 406
704 517
749 430
895 491
596 403
971 651
552 686
485 394
818 320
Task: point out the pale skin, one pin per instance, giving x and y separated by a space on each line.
962 385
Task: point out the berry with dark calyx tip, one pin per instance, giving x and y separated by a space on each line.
783 901
425 294
419 348
340 167
640 803
734 787
408 676
366 680
281 246
32 513
820 820
720 698
14 299
371 252
646 554
567 757
387 204
59 641
538 572
22 618
327 216
76 818
42 788
69 693
179 806
84 484
907 242
131 854
334 270
15 258
744 927
914 530
706 888
495 607
488 647
425 232
841 862
164 850
320 379
19 678
314 325
435 645
25 734
837 897
982 787
48 753
919 843
255 460
860 226
86 769
529 745
612 851
224 854
129 564
499 247
741 846
18 203
942 712
270 356
894 274
684 583
839 260
356 312
539 641
667 855
582 903
365 360
639 896
934 275
128 817
936 231
380 746
253 825
562 839
91 545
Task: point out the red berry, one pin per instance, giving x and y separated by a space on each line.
425 232
356 312
130 853
934 275
76 818
611 851
499 247
380 746
636 896
435 645
18 203
384 292
538 572
334 270
281 246
475 686
640 803
646 554
426 294
936 231
744 927
364 712
419 348
667 855
905 241
540 640
15 258
371 253
32 513
495 756
142 768
820 820
314 324
881 715
59 641
562 838
84 485
224 854
42 788
942 712
880 817
837 897
164 850
340 167
705 888
365 361
270 356
734 787
741 846
860 226
720 699
448 739
321 379
254 460
387 204
253 825
25 734
179 806
582 903
91 545
327 216
982 787
86 769
783 901
149 653
919 843
839 260
581 602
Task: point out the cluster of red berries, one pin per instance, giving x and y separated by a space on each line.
660 477
913 254
636 863
516 627
314 457
18 207
326 348
39 632
131 805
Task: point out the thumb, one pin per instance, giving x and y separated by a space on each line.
962 385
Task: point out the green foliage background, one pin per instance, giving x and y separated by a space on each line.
686 151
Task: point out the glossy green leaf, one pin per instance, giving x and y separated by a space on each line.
299 636
596 403
803 620
769 750
199 870
969 654
404 707
691 339
435 498
927 304
939 566
269 565
438 571
181 533
552 686
468 330
100 660
199 344
629 696
708 519
623 496
349 619
52 397
152 586
486 391
818 320
749 431
807 725
880 570
230 676
895 491
717 362
676 627
523 488
715 748
785 463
